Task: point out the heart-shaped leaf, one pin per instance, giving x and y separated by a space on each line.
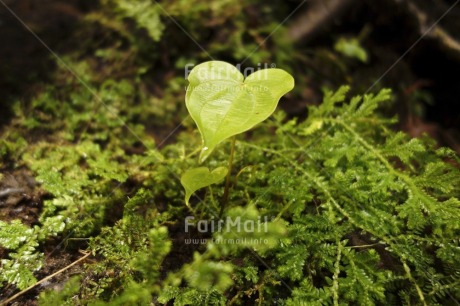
223 103
197 178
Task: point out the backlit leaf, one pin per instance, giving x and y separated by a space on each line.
222 103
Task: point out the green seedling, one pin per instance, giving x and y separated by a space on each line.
223 104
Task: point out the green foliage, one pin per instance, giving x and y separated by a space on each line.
145 27
22 242
209 275
65 297
12 146
351 212
223 103
205 274
146 15
77 176
197 178
191 296
362 244
352 48
13 234
387 202
248 229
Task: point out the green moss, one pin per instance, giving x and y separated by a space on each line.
356 213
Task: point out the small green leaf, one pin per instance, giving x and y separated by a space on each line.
201 177
207 275
224 104
351 48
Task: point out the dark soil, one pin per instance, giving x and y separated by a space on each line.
19 197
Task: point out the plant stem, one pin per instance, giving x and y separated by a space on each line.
227 181
7 301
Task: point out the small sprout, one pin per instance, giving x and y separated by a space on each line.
223 103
